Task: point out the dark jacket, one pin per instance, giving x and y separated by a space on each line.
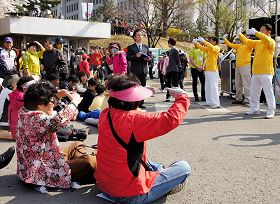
138 66
88 97
54 62
174 61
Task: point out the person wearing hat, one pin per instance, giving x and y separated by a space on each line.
124 174
53 61
31 60
84 65
7 58
116 58
9 84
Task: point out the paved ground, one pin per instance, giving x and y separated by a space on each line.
234 159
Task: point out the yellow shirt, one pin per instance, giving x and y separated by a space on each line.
243 53
30 61
97 103
212 52
198 57
264 51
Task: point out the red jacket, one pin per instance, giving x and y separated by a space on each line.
84 67
112 174
95 59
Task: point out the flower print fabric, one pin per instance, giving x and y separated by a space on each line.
40 160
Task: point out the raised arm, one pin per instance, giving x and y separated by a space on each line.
266 39
250 43
147 126
232 45
211 47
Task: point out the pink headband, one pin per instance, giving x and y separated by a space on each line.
135 93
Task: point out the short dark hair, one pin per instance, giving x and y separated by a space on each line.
23 80
99 89
267 26
92 82
214 39
136 31
119 83
172 41
244 32
73 78
39 93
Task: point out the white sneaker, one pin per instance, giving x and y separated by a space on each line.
214 107
41 189
269 114
75 185
251 112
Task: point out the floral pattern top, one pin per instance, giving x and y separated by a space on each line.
39 159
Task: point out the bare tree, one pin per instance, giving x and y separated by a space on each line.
156 16
107 10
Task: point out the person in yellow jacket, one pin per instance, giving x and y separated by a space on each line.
31 60
262 69
212 50
242 71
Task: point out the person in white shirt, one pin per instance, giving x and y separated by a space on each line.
7 58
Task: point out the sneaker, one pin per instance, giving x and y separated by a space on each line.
168 99
6 157
237 102
41 189
252 112
269 115
214 107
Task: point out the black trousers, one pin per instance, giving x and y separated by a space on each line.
181 77
196 74
161 79
171 81
143 80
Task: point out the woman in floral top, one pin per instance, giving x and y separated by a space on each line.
40 158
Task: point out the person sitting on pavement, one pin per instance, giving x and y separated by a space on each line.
98 99
41 161
16 102
88 96
70 83
6 157
124 174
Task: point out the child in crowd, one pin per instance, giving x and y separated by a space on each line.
88 96
84 65
16 102
98 100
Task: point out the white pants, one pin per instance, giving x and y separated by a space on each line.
243 82
211 88
259 82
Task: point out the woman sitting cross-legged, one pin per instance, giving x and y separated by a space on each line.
41 161
124 173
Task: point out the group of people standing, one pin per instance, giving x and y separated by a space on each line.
248 82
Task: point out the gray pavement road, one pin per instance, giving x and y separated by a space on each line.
234 159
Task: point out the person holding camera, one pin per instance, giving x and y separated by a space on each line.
40 159
116 59
31 60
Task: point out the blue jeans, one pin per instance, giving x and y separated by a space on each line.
167 179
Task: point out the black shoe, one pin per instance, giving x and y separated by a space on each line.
237 102
167 100
141 106
6 157
203 99
196 99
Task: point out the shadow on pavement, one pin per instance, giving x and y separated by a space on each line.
275 139
13 191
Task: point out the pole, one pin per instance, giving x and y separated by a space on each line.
236 9
276 18
87 10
